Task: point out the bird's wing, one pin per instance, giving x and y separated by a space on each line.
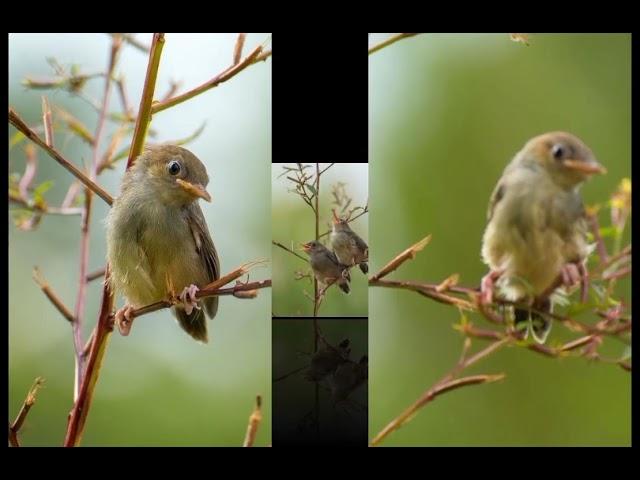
496 196
357 242
207 251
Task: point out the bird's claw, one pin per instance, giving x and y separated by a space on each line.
570 273
188 298
124 319
487 285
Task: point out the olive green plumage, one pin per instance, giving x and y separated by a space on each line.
158 242
536 222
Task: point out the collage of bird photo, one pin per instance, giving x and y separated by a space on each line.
432 248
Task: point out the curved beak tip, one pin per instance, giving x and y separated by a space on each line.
195 189
590 168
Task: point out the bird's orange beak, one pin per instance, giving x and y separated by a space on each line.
590 168
336 218
305 247
194 189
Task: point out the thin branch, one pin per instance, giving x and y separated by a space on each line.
52 296
254 423
426 290
13 198
126 106
47 122
287 375
14 427
17 122
277 244
592 219
131 40
237 50
428 396
316 211
96 274
100 336
409 253
212 290
146 100
364 211
390 41
214 82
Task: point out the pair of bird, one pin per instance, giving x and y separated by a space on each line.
158 241
332 365
348 250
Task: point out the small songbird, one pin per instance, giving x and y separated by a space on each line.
347 245
536 227
158 242
326 266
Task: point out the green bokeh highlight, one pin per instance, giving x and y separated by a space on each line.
447 112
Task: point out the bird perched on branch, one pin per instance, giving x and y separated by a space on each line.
326 266
158 242
347 245
536 231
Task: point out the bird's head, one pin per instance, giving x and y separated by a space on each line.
312 247
566 159
173 174
339 224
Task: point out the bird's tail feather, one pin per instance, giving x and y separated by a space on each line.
194 324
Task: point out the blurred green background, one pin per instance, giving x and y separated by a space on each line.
342 423
293 223
158 386
447 112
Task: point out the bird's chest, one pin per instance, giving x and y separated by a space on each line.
536 221
152 252
342 244
170 250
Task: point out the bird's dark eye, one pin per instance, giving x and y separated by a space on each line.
557 151
174 167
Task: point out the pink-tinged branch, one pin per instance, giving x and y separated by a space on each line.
222 77
17 122
409 253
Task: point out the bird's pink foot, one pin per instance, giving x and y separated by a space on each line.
487 286
570 274
188 297
573 273
124 319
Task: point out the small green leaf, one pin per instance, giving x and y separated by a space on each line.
312 189
606 232
16 138
39 191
